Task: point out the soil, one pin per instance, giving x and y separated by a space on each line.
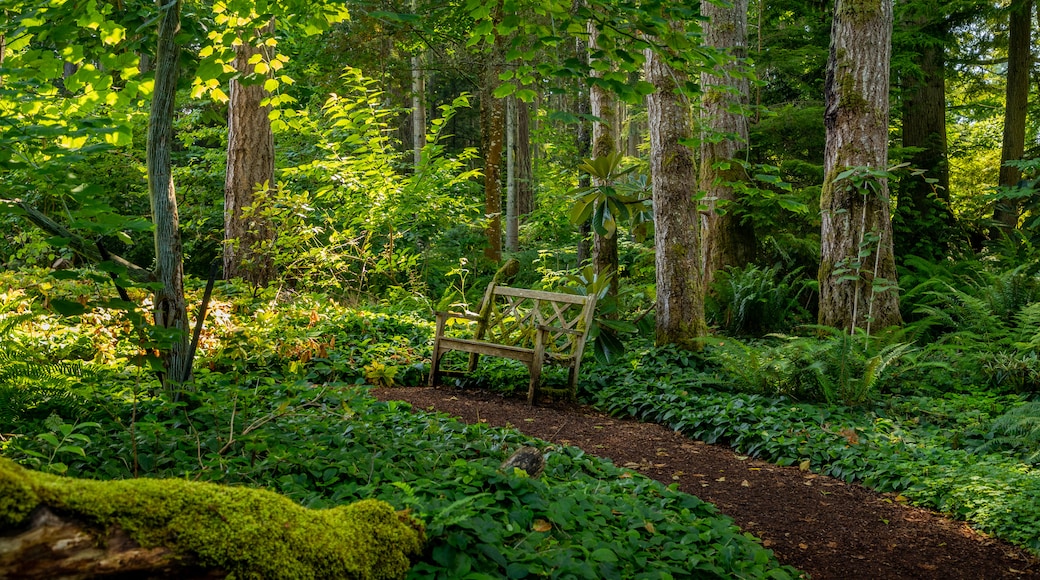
815 523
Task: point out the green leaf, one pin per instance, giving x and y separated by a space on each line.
67 307
504 90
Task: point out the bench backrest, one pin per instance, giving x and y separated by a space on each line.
510 316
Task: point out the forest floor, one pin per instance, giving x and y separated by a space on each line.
815 523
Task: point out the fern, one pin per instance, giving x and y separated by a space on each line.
1017 431
30 386
756 301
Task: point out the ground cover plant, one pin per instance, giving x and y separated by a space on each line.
280 402
970 455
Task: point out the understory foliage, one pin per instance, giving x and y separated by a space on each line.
281 404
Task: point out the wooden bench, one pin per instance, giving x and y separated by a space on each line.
531 326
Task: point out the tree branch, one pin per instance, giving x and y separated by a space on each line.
82 247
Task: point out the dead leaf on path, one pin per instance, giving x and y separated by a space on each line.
721 479
832 544
803 546
767 543
804 465
902 498
745 483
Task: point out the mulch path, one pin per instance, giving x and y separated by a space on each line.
818 524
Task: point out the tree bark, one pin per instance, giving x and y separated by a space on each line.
603 107
857 262
680 289
492 113
583 144
250 169
418 108
727 242
170 306
1017 106
524 165
512 211
924 207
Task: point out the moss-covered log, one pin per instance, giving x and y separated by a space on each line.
54 526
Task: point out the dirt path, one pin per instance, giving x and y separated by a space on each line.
818 524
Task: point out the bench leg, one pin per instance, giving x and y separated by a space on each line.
536 366
573 380
435 362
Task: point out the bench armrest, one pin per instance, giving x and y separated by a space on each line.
441 315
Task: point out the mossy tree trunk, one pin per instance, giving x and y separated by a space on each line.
170 306
250 167
680 289
604 109
727 242
857 266
1020 60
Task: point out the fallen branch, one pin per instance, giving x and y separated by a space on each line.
82 247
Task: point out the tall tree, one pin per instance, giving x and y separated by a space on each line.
250 163
1020 60
512 209
524 164
170 306
583 143
680 289
857 267
604 142
727 241
492 136
923 207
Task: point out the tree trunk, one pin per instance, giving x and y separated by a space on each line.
524 165
857 270
583 144
1017 106
726 241
170 306
680 289
418 109
250 169
857 266
492 113
924 207
604 142
512 211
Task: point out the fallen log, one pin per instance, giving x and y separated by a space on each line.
58 527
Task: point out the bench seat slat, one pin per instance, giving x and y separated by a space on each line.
488 348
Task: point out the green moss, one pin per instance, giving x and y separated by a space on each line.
17 499
251 533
